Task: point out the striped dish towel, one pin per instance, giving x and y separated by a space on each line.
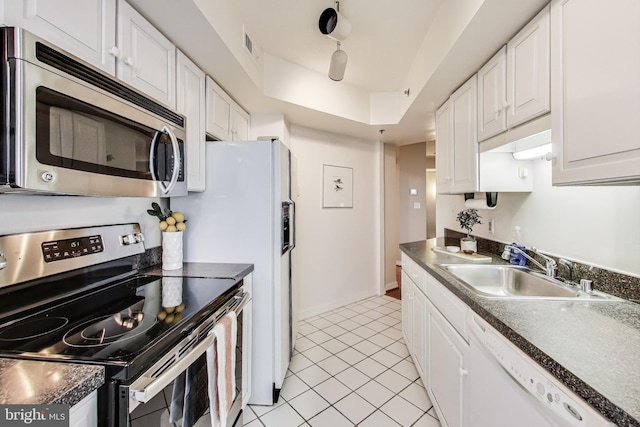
221 361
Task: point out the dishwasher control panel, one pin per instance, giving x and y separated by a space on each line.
535 380
542 386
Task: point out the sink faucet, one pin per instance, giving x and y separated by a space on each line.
550 266
569 266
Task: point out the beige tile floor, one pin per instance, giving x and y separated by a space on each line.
350 368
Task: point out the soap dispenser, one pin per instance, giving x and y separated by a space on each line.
515 257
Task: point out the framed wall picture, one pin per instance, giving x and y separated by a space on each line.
337 187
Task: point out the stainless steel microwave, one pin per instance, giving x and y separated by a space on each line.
69 128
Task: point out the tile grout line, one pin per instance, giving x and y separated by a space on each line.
365 309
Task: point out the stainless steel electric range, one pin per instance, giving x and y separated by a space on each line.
76 295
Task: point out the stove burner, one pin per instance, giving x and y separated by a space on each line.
32 328
109 329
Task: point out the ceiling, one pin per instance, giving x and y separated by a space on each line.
393 46
384 39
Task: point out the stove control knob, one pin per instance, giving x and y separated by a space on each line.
128 239
139 237
3 261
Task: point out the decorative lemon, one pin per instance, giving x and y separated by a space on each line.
171 220
181 226
178 216
171 229
163 225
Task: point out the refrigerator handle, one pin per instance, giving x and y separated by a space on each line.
292 223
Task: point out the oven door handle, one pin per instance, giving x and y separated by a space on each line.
146 393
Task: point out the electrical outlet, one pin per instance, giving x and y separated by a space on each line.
492 226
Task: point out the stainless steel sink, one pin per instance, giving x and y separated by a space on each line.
510 281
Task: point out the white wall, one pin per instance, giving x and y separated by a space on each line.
391 243
412 163
593 225
337 259
23 213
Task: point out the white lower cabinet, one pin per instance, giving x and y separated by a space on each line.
448 355
433 326
414 316
85 412
419 340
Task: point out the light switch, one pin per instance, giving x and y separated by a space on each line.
416 205
413 191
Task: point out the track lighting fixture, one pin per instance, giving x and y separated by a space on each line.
334 25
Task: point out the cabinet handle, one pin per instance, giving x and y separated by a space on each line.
463 372
114 51
506 105
128 61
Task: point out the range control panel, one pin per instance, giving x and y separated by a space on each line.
71 248
34 255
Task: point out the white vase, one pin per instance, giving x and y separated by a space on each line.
171 291
172 250
468 245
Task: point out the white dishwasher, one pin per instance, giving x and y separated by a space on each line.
507 388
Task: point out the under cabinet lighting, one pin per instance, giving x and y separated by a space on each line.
532 153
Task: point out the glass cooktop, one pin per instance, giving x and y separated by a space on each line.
123 324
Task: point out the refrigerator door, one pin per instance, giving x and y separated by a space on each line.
237 219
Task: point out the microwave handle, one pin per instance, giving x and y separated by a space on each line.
166 189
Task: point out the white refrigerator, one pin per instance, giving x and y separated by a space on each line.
246 215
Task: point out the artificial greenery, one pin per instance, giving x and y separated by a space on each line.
468 218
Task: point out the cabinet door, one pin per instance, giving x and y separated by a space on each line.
596 91
240 126
419 331
85 412
84 28
219 112
444 147
492 97
191 103
148 59
448 359
528 88
407 297
465 143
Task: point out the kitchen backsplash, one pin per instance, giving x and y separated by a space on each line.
150 257
617 284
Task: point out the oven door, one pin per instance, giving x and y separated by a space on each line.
175 389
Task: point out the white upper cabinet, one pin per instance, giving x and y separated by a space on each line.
465 142
84 28
513 87
444 144
456 141
492 96
240 125
595 113
528 73
219 111
147 58
226 120
191 102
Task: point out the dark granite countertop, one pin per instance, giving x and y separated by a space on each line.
203 269
35 382
591 347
